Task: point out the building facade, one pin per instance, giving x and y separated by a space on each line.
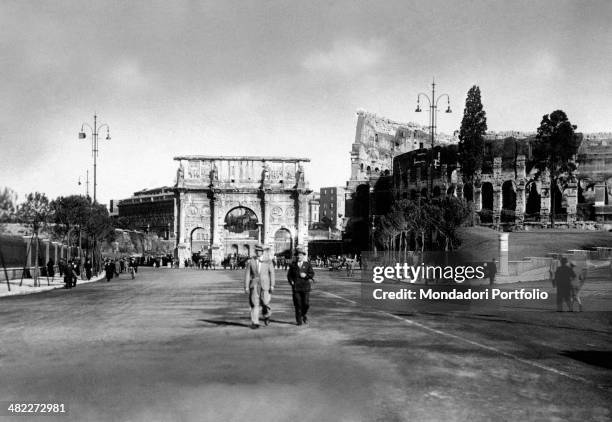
332 206
313 209
148 210
226 205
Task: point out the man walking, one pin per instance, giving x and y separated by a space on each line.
300 276
563 282
491 270
259 285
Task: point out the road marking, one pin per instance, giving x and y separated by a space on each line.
475 343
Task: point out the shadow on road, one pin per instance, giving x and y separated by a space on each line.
601 358
219 322
224 323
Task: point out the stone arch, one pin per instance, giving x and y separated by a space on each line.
199 240
557 201
487 197
486 192
242 230
508 202
532 202
468 192
283 243
241 219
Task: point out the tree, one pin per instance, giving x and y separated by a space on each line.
471 135
451 213
35 212
555 147
70 212
8 199
91 219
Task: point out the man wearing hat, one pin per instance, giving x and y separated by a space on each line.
259 285
300 275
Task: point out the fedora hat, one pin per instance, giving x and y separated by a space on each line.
300 251
259 247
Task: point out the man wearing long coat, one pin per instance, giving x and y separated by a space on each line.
259 285
563 282
300 277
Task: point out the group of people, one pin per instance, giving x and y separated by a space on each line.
260 281
568 284
114 267
200 262
70 270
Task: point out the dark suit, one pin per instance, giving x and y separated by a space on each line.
301 288
563 283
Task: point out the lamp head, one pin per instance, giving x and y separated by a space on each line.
448 109
418 109
82 135
108 135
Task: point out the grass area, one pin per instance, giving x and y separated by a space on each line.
481 243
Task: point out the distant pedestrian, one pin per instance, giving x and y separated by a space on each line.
554 266
563 282
75 273
61 266
109 270
88 268
491 271
300 277
68 276
50 268
259 284
577 284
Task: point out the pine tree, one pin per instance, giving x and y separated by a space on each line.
554 150
471 135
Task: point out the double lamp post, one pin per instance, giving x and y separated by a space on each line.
94 145
433 122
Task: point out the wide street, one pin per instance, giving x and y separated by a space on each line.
175 345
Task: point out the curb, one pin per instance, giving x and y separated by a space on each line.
43 288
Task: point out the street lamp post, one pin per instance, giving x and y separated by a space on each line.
94 145
86 184
433 115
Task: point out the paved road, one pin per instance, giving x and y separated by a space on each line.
175 345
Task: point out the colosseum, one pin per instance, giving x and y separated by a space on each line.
390 161
508 190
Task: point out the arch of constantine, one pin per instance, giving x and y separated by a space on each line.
226 205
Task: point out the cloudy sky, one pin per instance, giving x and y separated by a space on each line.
275 78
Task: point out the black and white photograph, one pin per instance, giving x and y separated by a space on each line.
277 210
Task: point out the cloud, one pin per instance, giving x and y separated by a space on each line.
546 65
346 57
128 74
